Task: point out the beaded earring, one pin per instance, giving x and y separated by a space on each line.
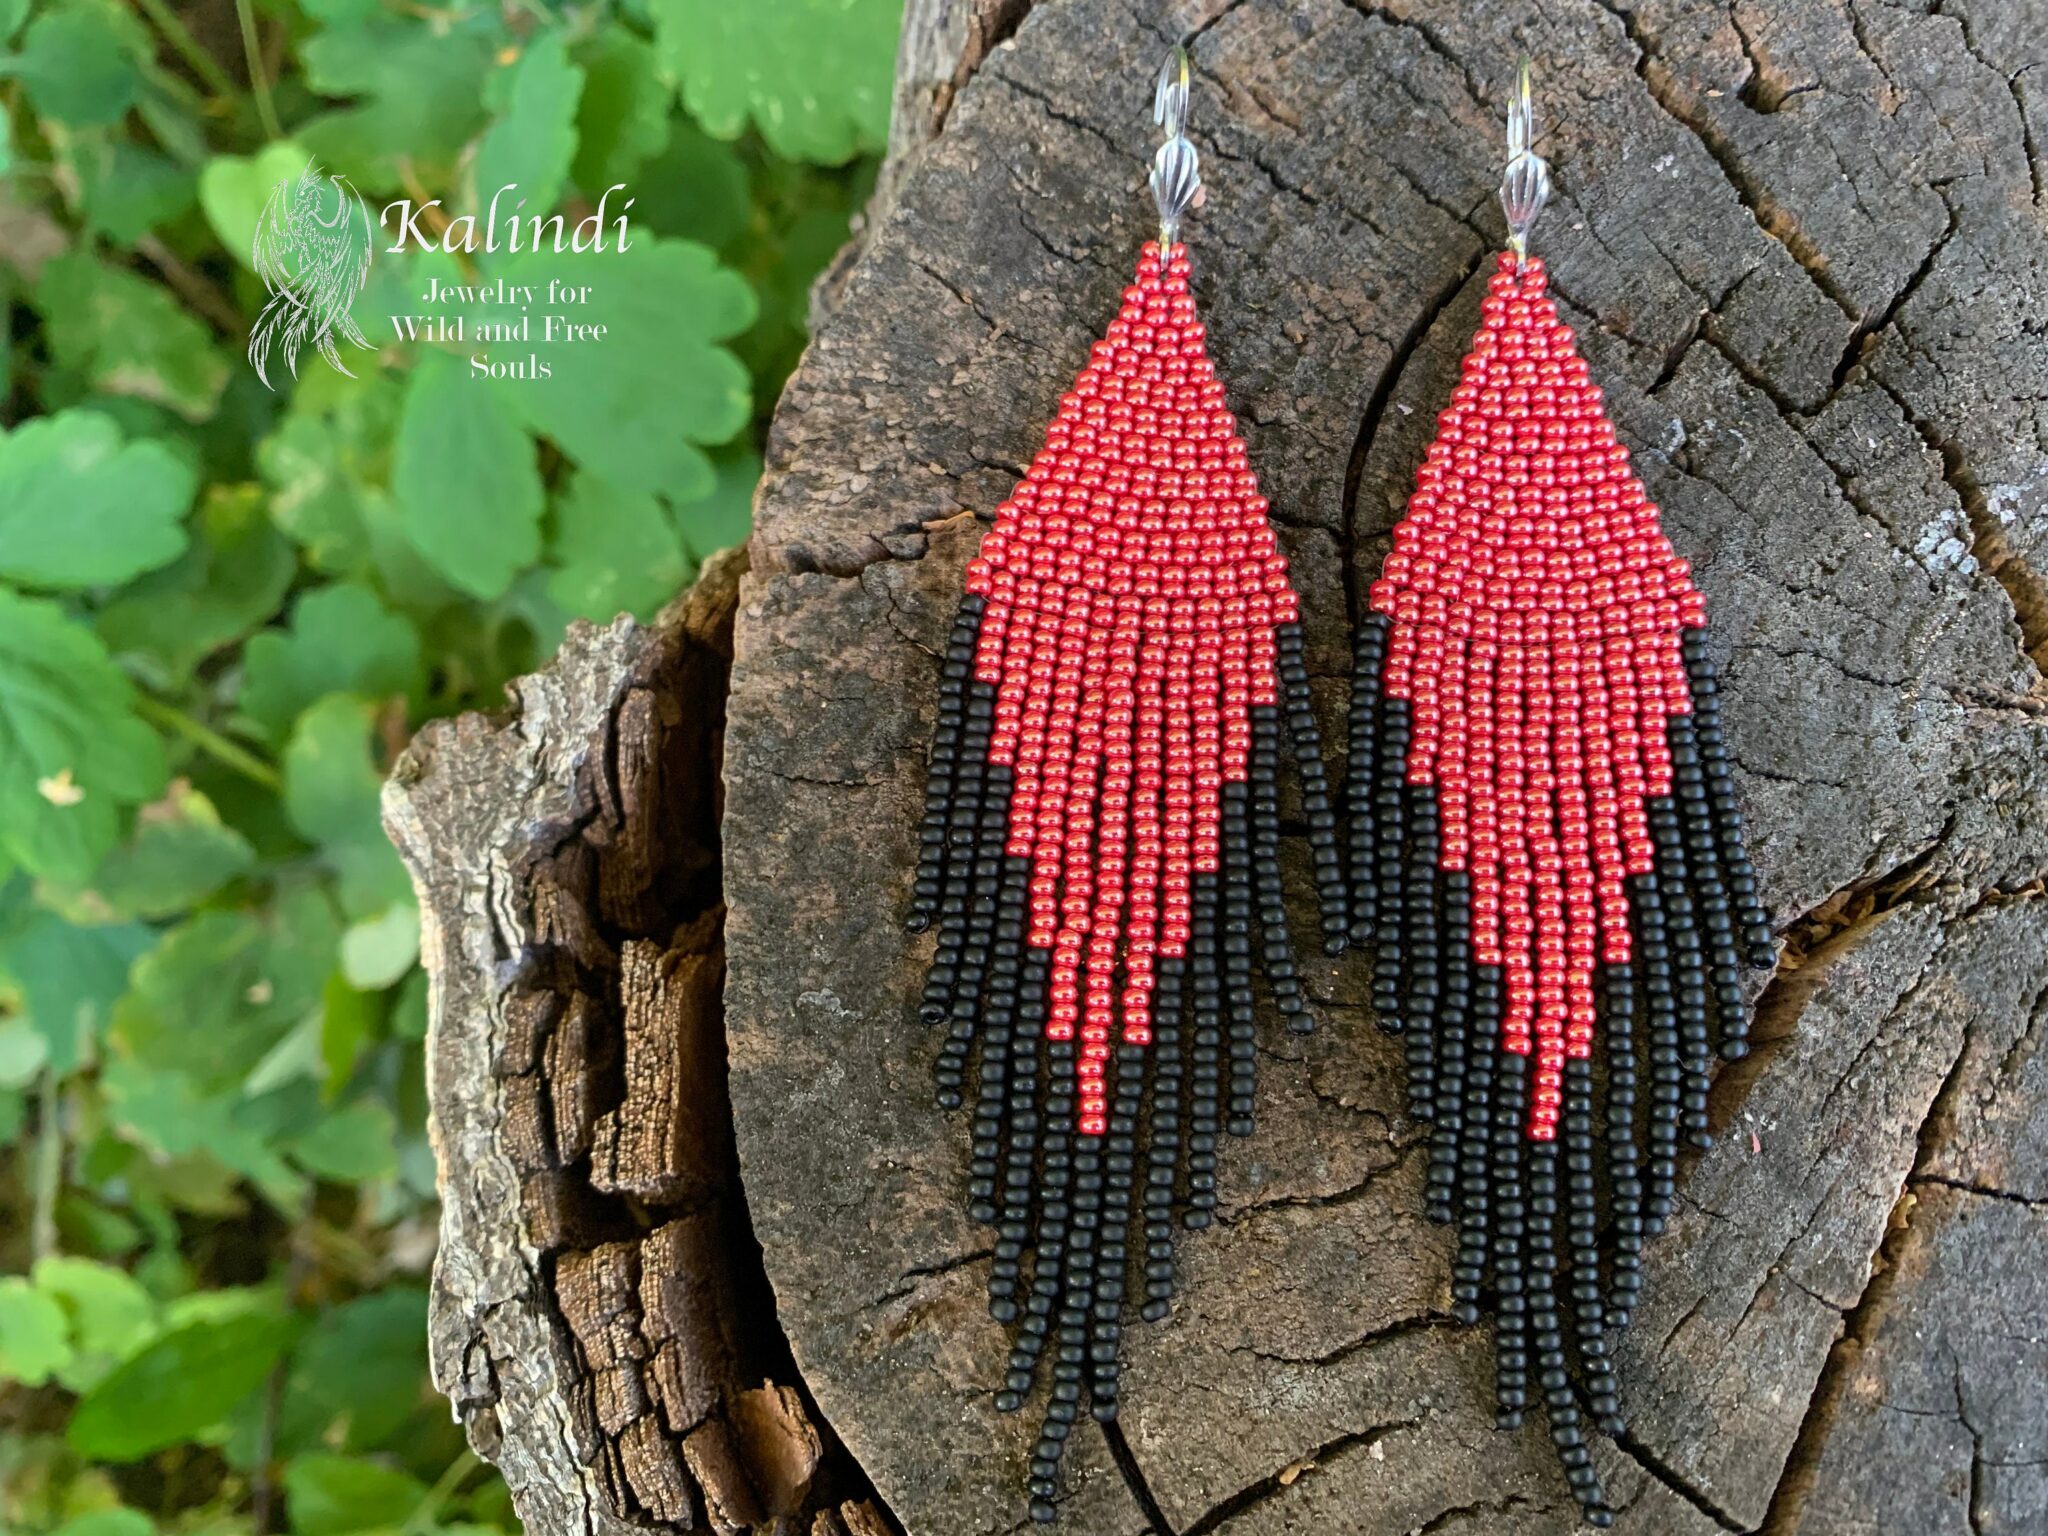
1100 843
1545 847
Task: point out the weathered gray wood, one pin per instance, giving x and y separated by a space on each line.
598 1317
1803 245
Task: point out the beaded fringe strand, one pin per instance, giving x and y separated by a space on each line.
1545 850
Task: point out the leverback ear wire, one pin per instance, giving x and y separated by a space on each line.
1176 168
1526 186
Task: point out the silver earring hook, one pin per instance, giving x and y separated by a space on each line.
1176 168
1526 186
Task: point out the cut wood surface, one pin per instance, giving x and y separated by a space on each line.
1803 246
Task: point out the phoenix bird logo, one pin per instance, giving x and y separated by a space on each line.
312 250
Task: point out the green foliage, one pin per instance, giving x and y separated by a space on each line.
179 1386
120 334
225 610
73 753
79 64
466 480
81 508
811 75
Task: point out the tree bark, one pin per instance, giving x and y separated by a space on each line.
705 1262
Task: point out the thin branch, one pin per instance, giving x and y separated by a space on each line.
186 46
192 286
216 746
259 77
49 1167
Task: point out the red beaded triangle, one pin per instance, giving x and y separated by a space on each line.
1546 848
1133 586
1536 609
1100 847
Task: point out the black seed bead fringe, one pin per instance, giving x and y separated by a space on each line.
1551 1234
1369 656
1318 808
944 766
1084 1225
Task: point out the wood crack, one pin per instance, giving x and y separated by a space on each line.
1770 216
1802 1466
1229 1509
1989 540
1864 338
1657 1468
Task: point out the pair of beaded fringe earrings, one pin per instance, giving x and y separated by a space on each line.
1542 848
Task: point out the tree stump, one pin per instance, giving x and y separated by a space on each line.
705 1263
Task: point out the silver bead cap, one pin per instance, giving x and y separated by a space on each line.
1176 168
1526 186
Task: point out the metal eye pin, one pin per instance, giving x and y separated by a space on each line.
1525 188
1176 168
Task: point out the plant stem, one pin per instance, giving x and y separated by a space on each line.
259 77
186 46
216 746
192 286
49 1167
428 1510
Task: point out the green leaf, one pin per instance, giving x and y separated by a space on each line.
348 1020
696 188
341 639
78 62
329 1495
357 1375
294 1059
127 336
409 1013
71 749
12 14
814 76
623 119
69 977
109 1522
22 1054
179 855
111 1315
222 988
332 792
81 507
179 1387
378 951
35 1336
234 188
328 473
530 146
723 519
85 1225
193 1136
349 1146
236 572
128 190
613 551
465 478
318 472
634 403
420 88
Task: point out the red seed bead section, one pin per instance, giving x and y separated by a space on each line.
1535 610
1133 585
